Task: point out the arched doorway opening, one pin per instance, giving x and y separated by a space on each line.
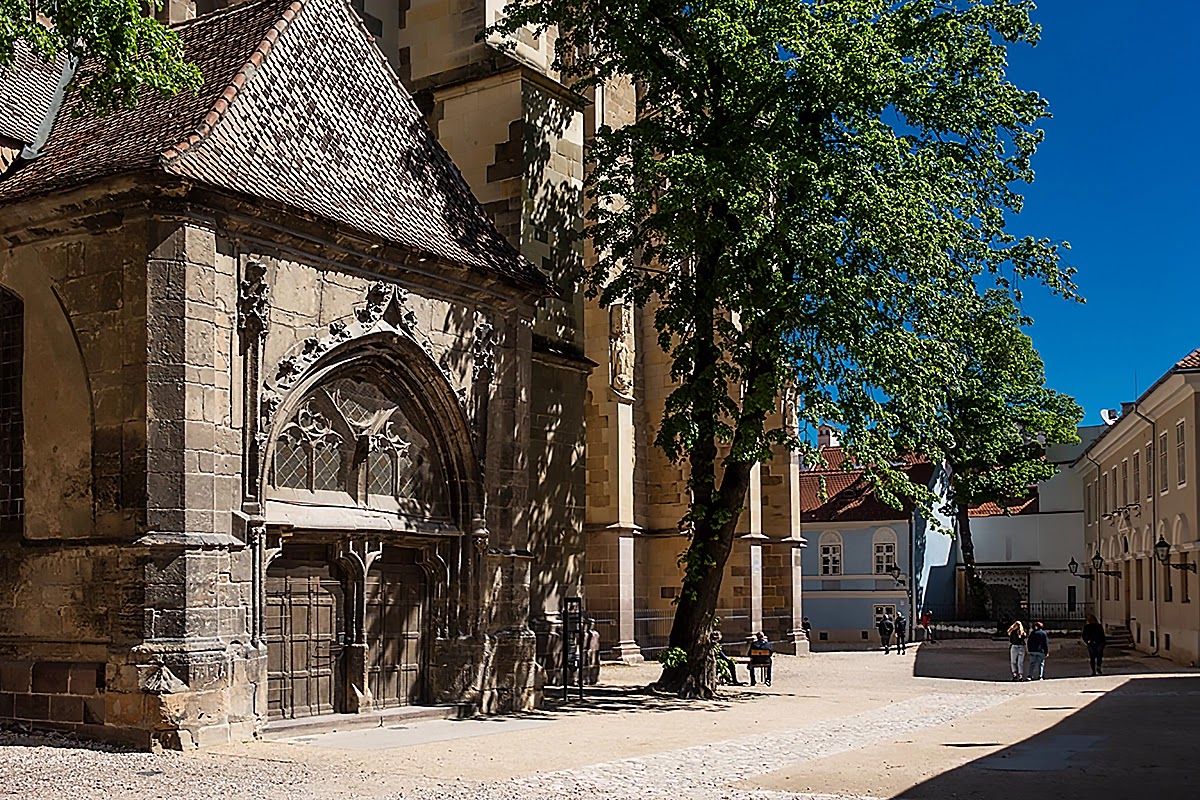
371 486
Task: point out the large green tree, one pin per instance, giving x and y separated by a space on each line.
812 189
118 44
1000 417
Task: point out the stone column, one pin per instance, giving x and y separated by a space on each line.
797 638
627 646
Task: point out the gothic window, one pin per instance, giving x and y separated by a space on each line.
308 455
12 431
352 436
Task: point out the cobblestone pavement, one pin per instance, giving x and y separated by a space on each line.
839 726
704 770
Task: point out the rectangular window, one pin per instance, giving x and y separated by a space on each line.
1104 493
1183 580
884 611
1137 477
1071 599
831 559
1140 579
1107 592
1125 482
1180 453
12 424
885 557
1087 504
1162 463
1149 470
1168 589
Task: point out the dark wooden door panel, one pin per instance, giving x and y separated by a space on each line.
395 603
305 610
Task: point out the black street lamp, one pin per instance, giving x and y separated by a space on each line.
894 571
1098 562
1162 551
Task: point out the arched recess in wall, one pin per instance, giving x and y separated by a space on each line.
56 408
1183 531
373 424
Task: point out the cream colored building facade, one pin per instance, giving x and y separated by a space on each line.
1140 486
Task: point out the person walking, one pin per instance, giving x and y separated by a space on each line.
885 628
806 626
927 626
901 633
1039 650
1095 639
1016 649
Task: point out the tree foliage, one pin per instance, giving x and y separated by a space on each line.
119 46
1000 415
811 197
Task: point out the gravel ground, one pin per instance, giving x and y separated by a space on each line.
617 744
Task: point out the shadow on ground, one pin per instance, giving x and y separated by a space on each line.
989 661
638 699
1136 741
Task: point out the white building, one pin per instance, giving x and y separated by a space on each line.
1022 551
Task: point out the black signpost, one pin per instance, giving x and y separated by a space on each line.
573 644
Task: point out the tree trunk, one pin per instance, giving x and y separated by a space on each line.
976 590
693 626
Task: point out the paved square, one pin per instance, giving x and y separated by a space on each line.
938 723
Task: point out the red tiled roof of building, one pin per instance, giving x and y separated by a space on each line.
1190 361
1019 507
848 495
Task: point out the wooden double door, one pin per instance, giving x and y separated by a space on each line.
308 627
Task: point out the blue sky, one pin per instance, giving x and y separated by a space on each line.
1117 177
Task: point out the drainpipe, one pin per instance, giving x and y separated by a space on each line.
1153 521
1096 575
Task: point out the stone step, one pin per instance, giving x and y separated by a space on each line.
328 723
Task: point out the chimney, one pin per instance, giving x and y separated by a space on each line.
827 436
1127 408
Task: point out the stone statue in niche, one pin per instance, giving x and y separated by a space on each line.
620 339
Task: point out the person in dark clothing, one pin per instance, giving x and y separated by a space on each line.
760 658
901 633
1039 649
885 628
1094 638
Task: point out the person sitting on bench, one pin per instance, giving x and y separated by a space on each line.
760 658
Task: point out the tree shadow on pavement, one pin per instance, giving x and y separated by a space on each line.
640 699
1138 740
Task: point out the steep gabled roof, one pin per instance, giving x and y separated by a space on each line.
298 107
27 89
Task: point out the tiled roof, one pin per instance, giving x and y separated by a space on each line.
299 107
1014 508
27 87
1190 361
848 495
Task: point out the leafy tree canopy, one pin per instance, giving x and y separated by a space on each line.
812 196
119 46
999 413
